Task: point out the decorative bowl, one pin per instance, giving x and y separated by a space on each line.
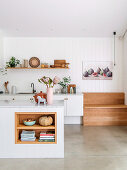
29 122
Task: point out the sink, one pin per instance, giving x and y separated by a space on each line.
25 93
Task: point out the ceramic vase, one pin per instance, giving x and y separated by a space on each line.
49 95
64 90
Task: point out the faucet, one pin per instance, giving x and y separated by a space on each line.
32 85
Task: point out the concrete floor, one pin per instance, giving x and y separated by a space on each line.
86 148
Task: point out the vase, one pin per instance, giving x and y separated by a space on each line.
64 90
49 95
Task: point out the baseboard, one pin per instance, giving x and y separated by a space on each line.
73 120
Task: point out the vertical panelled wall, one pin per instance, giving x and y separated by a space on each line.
1 49
125 68
1 60
74 50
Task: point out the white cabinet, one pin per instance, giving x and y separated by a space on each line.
74 106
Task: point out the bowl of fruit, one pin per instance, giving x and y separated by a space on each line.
29 122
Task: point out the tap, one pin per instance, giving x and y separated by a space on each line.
32 85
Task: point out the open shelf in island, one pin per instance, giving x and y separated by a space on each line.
19 126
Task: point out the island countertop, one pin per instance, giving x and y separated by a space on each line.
29 104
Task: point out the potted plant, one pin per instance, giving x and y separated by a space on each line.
64 84
13 62
49 84
3 71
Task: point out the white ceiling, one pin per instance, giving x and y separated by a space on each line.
62 18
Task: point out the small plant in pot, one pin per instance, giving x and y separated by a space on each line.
3 71
13 62
64 83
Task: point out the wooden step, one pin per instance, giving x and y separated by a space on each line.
99 106
95 116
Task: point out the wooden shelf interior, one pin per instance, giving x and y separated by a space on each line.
19 126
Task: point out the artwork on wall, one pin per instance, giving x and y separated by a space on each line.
97 70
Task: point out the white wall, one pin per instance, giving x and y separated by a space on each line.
74 50
1 49
1 59
125 67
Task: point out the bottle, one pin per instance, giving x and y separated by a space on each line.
71 90
13 90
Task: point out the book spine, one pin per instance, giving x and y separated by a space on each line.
46 140
47 134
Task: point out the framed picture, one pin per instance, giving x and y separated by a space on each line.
97 70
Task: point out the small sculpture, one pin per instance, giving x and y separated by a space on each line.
41 100
5 85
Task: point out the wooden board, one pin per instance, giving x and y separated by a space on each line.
104 98
59 62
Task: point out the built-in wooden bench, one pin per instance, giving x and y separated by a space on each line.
104 109
99 106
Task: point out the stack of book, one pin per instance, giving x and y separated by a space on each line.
47 137
28 135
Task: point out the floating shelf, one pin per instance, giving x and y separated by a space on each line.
29 68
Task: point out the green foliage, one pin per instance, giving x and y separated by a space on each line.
13 62
3 71
65 82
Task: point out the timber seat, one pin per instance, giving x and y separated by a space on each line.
100 106
104 109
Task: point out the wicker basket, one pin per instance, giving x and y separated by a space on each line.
45 120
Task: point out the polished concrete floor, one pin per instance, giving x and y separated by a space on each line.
86 148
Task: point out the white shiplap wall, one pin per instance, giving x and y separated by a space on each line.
125 68
74 50
1 49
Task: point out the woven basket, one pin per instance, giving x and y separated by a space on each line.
45 120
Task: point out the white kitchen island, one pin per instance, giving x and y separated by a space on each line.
11 126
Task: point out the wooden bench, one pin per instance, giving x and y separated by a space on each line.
104 109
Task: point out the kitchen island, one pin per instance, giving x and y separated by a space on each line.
12 115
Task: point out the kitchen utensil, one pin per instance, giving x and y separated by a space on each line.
6 88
